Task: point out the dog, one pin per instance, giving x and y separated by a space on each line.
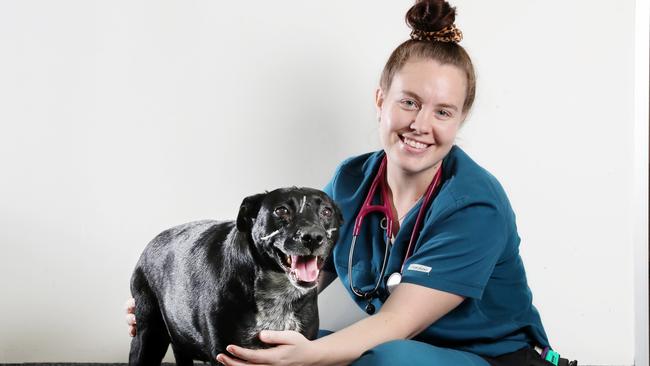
207 284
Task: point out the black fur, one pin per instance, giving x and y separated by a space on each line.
207 284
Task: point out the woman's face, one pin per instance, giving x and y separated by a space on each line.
420 115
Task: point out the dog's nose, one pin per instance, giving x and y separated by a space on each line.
312 237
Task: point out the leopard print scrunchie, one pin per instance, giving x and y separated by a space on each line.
446 34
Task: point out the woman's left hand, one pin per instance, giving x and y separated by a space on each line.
291 348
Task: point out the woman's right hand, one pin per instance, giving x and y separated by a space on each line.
130 316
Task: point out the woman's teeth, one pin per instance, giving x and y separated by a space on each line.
413 143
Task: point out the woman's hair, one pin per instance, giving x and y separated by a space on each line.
434 37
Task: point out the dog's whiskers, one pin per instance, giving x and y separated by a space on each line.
270 235
302 205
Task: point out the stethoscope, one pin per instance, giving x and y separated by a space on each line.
387 224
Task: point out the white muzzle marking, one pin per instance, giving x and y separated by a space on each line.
271 235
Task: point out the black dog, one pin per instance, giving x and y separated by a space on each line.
207 284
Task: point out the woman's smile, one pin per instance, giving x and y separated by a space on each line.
413 145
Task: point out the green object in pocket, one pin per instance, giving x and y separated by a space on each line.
552 357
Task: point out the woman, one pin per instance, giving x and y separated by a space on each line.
463 298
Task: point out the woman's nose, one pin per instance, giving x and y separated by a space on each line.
421 124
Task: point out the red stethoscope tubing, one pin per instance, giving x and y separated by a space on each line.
386 209
418 221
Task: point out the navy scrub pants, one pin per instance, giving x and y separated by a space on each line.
414 353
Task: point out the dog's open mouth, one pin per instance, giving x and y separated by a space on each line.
303 269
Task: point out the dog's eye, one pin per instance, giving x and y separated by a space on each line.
327 212
281 211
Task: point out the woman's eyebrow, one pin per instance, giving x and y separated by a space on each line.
450 106
411 94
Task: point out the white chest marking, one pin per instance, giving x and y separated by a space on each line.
274 300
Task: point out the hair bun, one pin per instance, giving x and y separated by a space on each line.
430 15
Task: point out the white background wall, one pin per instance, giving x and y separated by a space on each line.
119 119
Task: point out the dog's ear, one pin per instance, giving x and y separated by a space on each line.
248 210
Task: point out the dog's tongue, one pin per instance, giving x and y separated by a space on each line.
305 267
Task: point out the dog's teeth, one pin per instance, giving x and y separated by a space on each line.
289 260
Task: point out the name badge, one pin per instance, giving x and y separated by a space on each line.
419 268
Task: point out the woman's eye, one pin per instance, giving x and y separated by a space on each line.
444 113
327 212
281 211
409 104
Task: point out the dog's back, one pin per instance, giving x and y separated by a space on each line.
178 273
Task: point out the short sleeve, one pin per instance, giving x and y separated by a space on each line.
457 252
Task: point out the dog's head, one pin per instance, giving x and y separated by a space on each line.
295 228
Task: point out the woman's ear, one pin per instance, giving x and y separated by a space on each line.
379 101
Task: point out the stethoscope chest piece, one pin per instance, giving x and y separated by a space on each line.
393 280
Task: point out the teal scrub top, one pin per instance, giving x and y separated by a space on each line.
468 245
